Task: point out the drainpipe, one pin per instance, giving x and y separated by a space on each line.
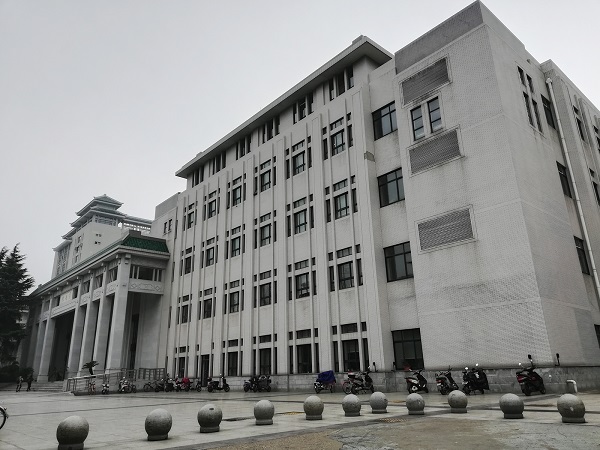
563 144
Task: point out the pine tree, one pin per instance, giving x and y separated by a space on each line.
14 284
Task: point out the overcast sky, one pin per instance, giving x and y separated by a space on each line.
113 96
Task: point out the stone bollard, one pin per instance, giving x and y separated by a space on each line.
378 402
313 408
71 433
209 418
264 412
512 406
458 402
571 387
158 424
571 408
351 405
415 405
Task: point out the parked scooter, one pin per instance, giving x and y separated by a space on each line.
530 380
361 382
263 383
325 380
125 386
186 384
416 383
178 385
198 386
474 380
445 382
3 415
217 385
169 384
105 388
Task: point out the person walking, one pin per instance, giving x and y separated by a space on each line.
19 383
29 381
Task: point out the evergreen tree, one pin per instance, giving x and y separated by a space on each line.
14 284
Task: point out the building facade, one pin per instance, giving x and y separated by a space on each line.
437 206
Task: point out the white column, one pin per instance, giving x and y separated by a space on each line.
38 347
102 325
76 341
87 338
119 315
46 350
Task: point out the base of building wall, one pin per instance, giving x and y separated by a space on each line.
500 380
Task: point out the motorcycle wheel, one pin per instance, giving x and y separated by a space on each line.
246 388
426 390
210 388
156 389
372 389
187 389
331 389
226 388
542 390
147 388
466 390
3 418
198 388
255 388
133 388
346 387
413 389
268 388
354 390
317 390
526 391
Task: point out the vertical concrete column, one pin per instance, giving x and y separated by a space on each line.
87 338
33 340
46 350
102 326
119 315
38 346
76 341
148 338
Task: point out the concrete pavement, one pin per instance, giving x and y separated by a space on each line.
117 421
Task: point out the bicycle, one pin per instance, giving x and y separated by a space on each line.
91 387
4 414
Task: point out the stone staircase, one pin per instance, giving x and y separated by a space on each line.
51 386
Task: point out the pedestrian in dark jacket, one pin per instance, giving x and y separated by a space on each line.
29 381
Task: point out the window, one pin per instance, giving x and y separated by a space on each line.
341 206
597 134
300 221
232 364
190 219
398 262
579 245
234 302
298 163
265 294
384 120
417 123
391 188
579 123
265 180
212 208
528 108
264 355
344 252
331 279
265 235
408 352
536 113
188 265
597 328
564 179
521 76
595 186
236 246
302 286
207 310
349 328
345 276
304 358
210 256
435 115
351 355
548 111
184 313
236 195
337 143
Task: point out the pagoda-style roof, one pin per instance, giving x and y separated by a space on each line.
103 200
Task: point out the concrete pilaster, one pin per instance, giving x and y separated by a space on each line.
38 347
76 341
46 350
114 358
87 338
102 325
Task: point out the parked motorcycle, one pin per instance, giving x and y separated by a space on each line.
416 383
186 384
217 385
125 386
530 380
178 385
361 382
105 388
474 380
150 386
169 384
198 386
325 380
248 384
445 382
3 415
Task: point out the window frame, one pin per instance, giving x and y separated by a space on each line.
234 307
302 289
265 184
300 227
236 249
298 168
347 280
263 238
338 144
395 257
265 300
340 210
384 181
384 115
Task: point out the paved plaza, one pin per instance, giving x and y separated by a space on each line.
117 421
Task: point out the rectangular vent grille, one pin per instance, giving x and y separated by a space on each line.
453 227
425 81
434 152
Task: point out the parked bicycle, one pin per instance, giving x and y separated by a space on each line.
4 414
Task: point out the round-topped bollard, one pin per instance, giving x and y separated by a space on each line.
313 408
571 408
209 418
512 406
415 405
378 402
158 424
351 405
264 412
72 432
458 402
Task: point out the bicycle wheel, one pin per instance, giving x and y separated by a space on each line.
3 418
147 387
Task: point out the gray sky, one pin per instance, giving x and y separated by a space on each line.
113 96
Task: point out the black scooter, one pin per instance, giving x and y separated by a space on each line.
216 385
445 382
475 380
361 382
530 380
416 383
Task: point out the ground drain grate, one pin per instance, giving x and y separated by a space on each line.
235 419
393 420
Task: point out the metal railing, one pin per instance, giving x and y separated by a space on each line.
93 383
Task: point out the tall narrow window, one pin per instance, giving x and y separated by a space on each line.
265 294
300 221
417 123
342 208
302 285
384 121
337 143
391 188
398 262
435 115
548 112
579 123
537 115
345 276
564 179
580 246
528 108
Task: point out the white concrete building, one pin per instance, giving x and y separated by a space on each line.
437 206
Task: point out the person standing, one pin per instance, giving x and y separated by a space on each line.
19 383
29 381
